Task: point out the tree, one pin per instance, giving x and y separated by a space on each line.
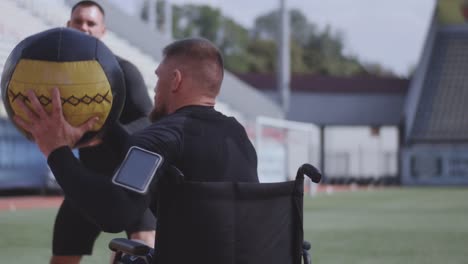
266 27
204 21
262 55
160 16
313 51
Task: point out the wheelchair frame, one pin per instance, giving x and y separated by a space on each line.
130 251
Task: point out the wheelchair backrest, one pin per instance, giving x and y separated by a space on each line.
231 223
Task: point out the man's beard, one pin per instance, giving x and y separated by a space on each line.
157 113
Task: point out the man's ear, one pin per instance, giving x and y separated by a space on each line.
176 80
68 23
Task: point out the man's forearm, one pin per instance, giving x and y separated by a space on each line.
111 207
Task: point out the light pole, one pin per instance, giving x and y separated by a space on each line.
284 69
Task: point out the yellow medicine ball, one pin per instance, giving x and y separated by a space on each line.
85 71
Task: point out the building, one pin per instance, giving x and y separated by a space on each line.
435 147
358 120
427 114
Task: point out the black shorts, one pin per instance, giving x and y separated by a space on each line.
74 233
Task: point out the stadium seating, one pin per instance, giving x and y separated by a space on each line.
442 107
26 17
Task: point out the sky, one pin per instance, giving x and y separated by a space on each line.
388 32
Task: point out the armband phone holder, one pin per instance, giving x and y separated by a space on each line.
137 169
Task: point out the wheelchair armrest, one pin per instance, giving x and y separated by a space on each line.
128 246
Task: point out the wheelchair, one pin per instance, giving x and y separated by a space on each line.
225 222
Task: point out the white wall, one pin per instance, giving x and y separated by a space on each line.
355 152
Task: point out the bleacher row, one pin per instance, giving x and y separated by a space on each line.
442 108
22 18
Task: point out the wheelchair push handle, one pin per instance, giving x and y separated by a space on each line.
311 172
305 252
306 245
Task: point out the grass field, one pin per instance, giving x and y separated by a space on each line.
26 237
426 225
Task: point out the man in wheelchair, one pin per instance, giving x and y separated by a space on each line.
211 215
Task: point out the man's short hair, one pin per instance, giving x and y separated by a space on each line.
204 56
88 3
197 49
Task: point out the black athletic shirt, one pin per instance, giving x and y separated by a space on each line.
134 117
203 143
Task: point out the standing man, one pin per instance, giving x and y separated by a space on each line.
75 234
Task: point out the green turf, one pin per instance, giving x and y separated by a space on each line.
26 237
426 225
395 226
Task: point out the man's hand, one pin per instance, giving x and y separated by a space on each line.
50 130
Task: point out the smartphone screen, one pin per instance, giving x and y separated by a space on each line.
137 170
